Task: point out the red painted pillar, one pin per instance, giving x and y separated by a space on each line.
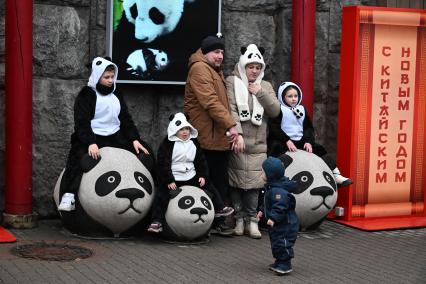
303 50
18 102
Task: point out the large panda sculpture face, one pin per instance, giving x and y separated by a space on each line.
117 192
317 191
190 213
154 17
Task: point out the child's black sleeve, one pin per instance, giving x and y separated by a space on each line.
84 110
127 126
164 162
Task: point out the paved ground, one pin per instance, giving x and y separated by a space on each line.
334 254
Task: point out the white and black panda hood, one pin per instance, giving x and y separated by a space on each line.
292 117
284 86
99 65
177 122
250 55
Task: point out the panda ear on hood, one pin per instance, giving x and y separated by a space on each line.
87 163
171 117
243 49
174 193
261 49
108 58
286 159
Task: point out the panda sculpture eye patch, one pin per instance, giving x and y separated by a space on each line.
186 202
156 16
143 181
107 182
206 202
330 180
304 180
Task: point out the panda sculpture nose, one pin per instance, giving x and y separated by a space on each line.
199 211
130 193
323 191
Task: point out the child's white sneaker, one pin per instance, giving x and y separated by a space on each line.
67 202
341 180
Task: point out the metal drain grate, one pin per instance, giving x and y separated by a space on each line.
52 252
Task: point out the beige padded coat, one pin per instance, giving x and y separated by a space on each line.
245 168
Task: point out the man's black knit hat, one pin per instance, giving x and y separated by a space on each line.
211 43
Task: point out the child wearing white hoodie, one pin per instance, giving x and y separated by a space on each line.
293 130
181 162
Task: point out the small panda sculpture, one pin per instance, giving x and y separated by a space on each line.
317 192
144 61
189 215
115 194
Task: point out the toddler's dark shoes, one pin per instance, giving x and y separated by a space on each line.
280 269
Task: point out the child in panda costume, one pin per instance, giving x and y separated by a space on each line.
101 119
293 130
181 162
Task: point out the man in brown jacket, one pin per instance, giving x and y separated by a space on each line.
206 104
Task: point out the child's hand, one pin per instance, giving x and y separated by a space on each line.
172 186
270 223
259 215
138 146
94 151
202 181
308 147
291 147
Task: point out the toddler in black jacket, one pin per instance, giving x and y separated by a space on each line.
279 211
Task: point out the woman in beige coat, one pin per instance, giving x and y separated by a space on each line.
252 101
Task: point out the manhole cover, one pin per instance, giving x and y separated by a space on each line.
52 252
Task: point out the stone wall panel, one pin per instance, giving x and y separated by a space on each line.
60 36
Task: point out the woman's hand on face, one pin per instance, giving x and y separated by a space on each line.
138 147
94 151
254 88
291 147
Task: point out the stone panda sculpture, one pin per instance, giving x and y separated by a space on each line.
189 215
115 194
317 192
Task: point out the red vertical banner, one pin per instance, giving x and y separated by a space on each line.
381 130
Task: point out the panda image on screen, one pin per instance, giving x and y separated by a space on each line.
145 61
189 215
316 195
115 194
173 27
153 18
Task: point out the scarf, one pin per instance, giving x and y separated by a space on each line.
241 98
